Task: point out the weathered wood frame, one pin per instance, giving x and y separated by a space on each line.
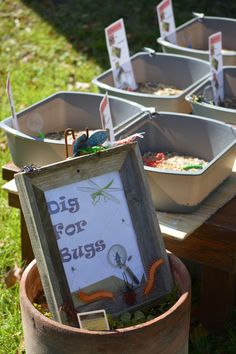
125 159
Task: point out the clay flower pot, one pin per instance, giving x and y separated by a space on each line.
166 334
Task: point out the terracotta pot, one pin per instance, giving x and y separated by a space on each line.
166 334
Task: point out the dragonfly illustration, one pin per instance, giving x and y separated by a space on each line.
97 192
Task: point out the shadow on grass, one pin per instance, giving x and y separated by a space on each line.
82 22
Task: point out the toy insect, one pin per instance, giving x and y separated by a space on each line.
151 276
129 296
85 143
97 138
97 295
97 141
29 168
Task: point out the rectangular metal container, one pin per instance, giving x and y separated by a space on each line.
205 109
182 72
192 38
182 192
62 110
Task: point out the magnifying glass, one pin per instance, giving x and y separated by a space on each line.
117 257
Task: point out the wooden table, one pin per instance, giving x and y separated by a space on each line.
212 245
27 255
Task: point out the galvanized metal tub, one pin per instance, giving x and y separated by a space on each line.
192 38
209 110
174 191
179 71
62 110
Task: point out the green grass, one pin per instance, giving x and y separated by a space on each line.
50 46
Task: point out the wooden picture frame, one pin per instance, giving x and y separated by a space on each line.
48 197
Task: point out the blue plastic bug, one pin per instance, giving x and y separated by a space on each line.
97 138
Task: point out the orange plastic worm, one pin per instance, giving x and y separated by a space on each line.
151 276
97 295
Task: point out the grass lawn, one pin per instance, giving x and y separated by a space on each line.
49 46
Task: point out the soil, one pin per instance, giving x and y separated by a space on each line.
60 135
173 161
55 135
225 51
127 319
229 102
158 89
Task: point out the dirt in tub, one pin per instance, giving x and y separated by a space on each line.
59 135
229 102
158 89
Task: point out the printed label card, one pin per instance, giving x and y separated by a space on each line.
118 51
216 64
166 20
105 114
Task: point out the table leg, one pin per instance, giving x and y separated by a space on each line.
217 298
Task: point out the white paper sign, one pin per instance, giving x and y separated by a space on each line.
216 63
105 114
10 97
94 231
118 51
166 20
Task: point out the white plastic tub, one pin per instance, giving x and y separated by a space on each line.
62 110
176 70
192 38
207 109
213 141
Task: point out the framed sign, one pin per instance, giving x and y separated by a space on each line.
94 232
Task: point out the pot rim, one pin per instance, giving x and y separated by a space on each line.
184 297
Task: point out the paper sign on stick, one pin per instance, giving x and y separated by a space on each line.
105 114
13 111
216 64
118 51
166 20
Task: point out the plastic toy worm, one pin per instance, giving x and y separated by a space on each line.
189 167
151 276
97 295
